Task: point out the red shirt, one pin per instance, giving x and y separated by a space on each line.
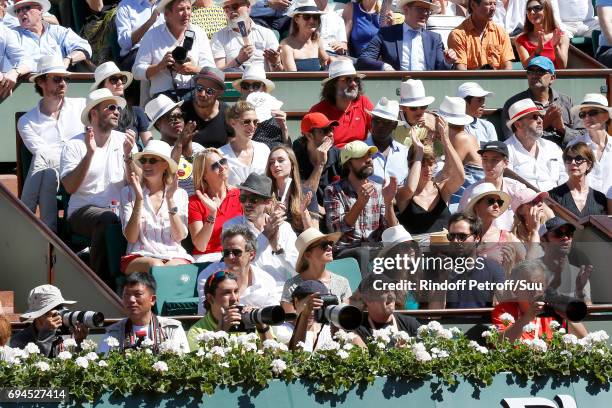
229 208
513 308
548 51
353 124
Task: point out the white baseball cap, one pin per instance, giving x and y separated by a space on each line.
472 89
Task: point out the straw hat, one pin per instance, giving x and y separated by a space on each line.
309 237
42 299
44 4
158 107
49 64
159 149
387 109
592 100
412 93
483 190
96 97
304 7
521 108
452 110
254 72
107 70
339 68
421 3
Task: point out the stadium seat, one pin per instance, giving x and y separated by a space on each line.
177 290
116 245
348 268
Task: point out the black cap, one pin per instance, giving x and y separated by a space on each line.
309 287
556 223
494 146
257 184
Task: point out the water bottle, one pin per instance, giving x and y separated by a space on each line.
114 207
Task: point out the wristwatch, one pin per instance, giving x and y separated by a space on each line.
280 251
173 210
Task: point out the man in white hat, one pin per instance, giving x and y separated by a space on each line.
94 168
163 56
537 160
44 303
41 38
342 100
333 30
413 105
474 96
44 130
133 19
391 159
14 61
234 50
408 46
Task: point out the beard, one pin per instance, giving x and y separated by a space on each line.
364 172
349 94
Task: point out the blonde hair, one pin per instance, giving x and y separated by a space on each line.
200 168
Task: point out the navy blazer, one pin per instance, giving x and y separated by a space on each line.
386 46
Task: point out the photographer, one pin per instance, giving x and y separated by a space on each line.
527 305
138 299
44 305
222 298
306 300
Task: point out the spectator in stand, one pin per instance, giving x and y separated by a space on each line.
604 52
109 76
271 14
141 324
578 17
510 15
559 126
575 194
257 287
271 131
318 159
300 201
206 110
342 100
155 60
354 206
537 160
167 118
494 161
208 16
154 212
94 167
44 130
333 31
12 22
423 201
214 202
474 96
449 8
303 49
233 53
244 155
595 114
133 19
14 61
413 104
391 156
530 213
421 49
362 22
7 354
542 35
478 42
41 38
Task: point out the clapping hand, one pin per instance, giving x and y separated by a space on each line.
390 190
212 204
134 182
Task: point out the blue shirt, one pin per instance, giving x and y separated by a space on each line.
603 41
55 40
482 129
130 16
465 297
395 164
12 54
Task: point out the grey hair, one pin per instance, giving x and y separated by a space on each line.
239 229
528 269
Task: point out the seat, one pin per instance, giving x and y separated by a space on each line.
348 268
177 289
116 245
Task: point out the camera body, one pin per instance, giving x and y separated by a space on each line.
332 312
90 319
180 52
575 309
270 315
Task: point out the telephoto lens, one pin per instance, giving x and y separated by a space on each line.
88 318
346 317
270 315
555 303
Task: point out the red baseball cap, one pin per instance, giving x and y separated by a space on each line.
316 120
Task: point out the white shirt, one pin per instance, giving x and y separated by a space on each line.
280 267
262 292
104 179
155 236
332 29
226 43
413 56
238 171
395 164
600 177
156 43
546 171
576 10
509 186
130 16
40 132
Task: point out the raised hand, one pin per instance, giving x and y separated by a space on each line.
323 148
557 35
172 187
245 53
273 56
211 203
306 199
390 190
188 133
90 140
441 127
134 182
583 278
365 192
129 142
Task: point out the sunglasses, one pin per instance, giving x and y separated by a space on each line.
534 9
383 122
538 72
208 91
323 245
114 108
534 117
308 17
176 117
578 159
498 201
349 79
592 113
216 166
116 78
24 9
562 232
251 86
251 198
237 253
59 79
150 160
457 236
416 108
247 122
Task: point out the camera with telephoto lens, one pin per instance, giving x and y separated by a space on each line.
180 52
346 317
270 315
88 318
555 303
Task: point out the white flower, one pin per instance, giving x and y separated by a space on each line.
566 353
486 334
148 351
42 365
569 339
274 345
402 337
562 330
147 342
225 364
91 356
345 337
170 347
217 351
82 362
507 318
160 366
220 335
278 366
348 346
88 345
200 352
445 334
529 327
70 343
330 345
422 356
64 355
537 345
443 354
250 346
31 348
599 336
205 337
456 331
418 347
342 354
554 325
102 363
381 336
111 341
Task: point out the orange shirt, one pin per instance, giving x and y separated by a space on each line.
494 48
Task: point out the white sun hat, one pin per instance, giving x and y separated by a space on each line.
486 189
387 109
158 107
107 70
521 108
254 72
472 89
341 67
452 110
592 100
160 149
44 4
49 64
303 7
96 97
42 299
412 94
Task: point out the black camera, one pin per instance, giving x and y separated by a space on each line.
345 317
88 318
180 53
270 315
573 308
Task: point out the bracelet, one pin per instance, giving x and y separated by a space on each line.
262 331
237 61
128 158
279 252
173 210
210 219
